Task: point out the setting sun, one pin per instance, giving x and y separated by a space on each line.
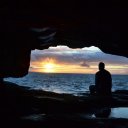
62 59
49 67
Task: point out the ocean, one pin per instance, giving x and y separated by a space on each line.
76 84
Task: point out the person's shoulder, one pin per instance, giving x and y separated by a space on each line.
97 72
107 72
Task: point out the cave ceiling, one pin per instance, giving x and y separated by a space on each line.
76 24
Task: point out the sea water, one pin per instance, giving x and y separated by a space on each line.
76 84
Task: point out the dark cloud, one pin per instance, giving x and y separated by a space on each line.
84 64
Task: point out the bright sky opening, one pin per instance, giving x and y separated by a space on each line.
62 59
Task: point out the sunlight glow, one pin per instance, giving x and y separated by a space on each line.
62 59
49 67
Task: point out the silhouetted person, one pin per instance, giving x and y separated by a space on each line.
103 82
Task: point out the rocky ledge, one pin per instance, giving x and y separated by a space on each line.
23 107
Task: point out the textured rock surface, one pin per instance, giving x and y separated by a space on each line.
22 107
77 24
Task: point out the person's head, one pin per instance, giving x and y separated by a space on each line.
101 66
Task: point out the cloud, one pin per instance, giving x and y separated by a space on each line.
84 57
84 64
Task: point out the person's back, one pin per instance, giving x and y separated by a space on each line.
103 81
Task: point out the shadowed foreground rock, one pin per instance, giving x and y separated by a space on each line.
22 107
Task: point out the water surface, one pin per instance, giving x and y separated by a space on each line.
76 84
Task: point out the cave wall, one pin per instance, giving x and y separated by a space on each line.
76 23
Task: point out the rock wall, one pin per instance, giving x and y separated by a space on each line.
76 24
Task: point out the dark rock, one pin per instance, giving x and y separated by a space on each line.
77 23
104 112
22 107
52 102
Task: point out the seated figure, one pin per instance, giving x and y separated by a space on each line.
103 82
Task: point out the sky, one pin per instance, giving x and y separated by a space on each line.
62 59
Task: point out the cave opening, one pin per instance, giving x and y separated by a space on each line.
62 69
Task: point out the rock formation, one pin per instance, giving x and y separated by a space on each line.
75 23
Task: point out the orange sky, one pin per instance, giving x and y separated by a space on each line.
60 68
63 60
53 67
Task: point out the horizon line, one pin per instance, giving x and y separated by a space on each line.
70 73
